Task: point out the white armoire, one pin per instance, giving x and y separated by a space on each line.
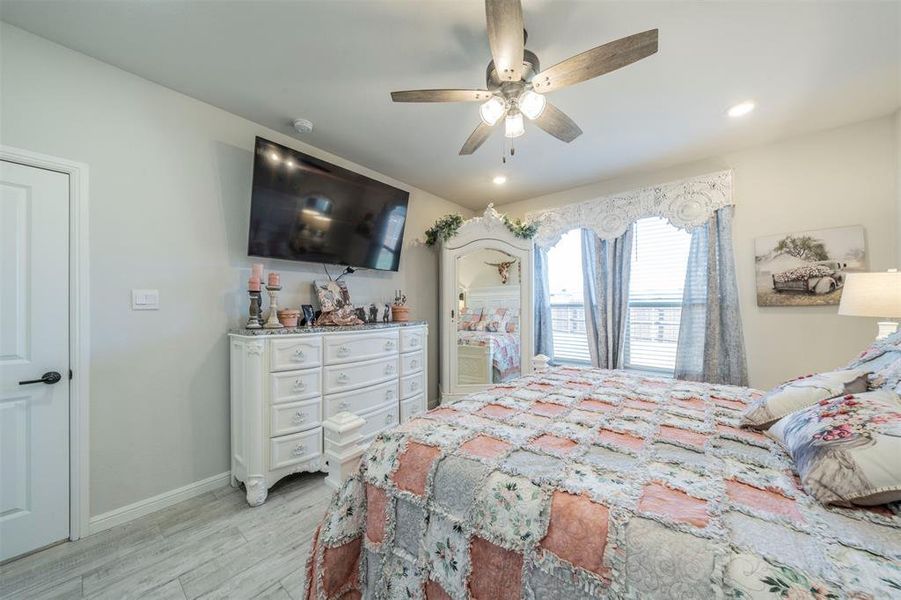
486 306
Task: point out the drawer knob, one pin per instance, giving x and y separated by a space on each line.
299 417
389 394
299 450
299 356
343 351
414 341
414 363
389 345
389 418
414 384
342 378
299 385
344 405
389 369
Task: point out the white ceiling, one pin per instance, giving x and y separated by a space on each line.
809 66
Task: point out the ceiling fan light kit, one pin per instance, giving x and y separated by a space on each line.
516 84
513 125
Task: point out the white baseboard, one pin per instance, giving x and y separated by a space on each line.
140 508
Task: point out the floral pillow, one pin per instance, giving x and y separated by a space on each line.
513 324
883 360
468 318
800 393
846 449
496 320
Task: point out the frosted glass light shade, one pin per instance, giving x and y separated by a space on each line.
871 295
532 104
492 111
513 126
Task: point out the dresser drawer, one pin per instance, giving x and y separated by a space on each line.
379 420
361 400
340 378
340 349
411 385
295 385
295 353
411 407
411 363
411 339
294 416
288 450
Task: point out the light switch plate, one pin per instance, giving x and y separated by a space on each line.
145 299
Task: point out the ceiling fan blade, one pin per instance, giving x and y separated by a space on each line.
476 139
505 36
555 122
441 96
597 61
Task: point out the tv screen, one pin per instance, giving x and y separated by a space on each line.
306 209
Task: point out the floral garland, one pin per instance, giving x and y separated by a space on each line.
447 226
444 229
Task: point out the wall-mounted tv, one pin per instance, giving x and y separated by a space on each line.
306 209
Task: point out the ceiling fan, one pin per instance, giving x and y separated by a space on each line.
516 84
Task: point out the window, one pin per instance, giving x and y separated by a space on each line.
567 297
659 260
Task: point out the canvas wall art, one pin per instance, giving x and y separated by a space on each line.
807 268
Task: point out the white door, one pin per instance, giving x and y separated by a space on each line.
34 341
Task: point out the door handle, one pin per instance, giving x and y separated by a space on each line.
50 377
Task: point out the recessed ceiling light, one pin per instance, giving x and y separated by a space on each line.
741 109
500 180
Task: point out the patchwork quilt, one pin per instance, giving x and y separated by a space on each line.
586 483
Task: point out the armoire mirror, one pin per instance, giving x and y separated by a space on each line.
486 307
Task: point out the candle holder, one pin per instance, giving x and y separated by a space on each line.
272 321
256 310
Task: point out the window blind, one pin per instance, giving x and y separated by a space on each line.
659 260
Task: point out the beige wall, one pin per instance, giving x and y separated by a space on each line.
844 176
170 189
898 188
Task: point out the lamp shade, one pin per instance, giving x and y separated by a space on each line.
871 295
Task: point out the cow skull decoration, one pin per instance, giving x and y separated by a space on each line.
503 269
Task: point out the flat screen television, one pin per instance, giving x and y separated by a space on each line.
306 209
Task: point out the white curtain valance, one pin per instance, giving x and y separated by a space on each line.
686 204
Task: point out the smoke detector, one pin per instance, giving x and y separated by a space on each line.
303 125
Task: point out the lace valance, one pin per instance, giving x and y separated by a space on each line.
686 204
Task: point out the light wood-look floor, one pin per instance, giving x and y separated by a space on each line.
212 546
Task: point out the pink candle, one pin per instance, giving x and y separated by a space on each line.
253 284
256 271
274 279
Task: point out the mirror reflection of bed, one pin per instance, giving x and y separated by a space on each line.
488 344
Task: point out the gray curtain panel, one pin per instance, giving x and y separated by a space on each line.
606 265
711 345
544 337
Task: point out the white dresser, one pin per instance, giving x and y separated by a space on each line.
285 383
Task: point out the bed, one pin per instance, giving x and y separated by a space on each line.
487 356
586 483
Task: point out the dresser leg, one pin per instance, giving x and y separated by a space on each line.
256 490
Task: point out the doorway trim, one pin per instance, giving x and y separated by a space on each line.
79 328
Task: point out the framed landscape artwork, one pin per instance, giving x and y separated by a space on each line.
807 268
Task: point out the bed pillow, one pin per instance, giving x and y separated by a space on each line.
496 320
846 449
513 324
800 393
883 360
468 318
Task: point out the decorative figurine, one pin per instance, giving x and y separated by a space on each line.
373 314
361 313
386 316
